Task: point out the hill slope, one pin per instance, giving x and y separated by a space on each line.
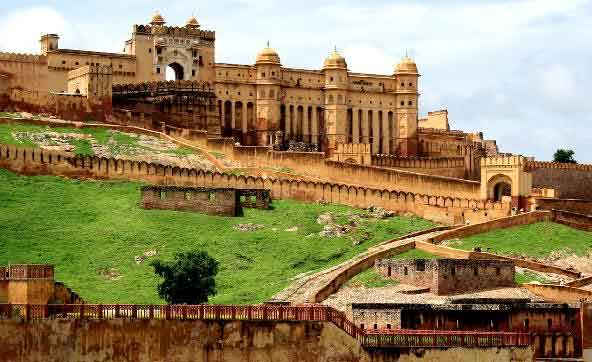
93 230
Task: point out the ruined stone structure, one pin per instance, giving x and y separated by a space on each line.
33 284
211 201
449 276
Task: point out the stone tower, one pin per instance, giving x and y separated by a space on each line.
268 69
336 86
407 96
48 42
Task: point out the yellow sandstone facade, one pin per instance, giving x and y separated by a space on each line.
259 104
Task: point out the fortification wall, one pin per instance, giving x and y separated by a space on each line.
445 210
572 219
559 293
572 205
442 166
501 223
571 180
211 340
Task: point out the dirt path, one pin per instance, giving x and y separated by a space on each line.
305 289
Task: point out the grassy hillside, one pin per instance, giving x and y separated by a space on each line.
93 230
535 240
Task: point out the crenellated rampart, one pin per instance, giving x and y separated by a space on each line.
442 166
443 209
571 181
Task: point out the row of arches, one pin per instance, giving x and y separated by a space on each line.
377 128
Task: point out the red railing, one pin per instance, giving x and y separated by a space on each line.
372 338
27 271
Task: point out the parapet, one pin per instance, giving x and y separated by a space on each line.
175 31
26 271
90 69
21 57
190 85
533 165
514 160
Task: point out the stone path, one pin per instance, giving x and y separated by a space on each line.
305 289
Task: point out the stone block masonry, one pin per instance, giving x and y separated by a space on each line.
446 210
211 201
449 276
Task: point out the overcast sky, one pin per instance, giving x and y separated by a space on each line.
520 71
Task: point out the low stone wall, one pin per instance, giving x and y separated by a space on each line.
210 340
559 293
446 210
573 205
572 219
448 252
501 223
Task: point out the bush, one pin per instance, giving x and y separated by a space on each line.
189 279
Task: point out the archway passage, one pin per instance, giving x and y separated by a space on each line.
499 186
500 190
174 71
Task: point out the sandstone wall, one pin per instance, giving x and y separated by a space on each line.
572 219
442 166
573 205
447 210
196 341
571 180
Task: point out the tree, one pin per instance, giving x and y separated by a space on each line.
564 156
189 279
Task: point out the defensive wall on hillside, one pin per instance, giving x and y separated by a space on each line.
233 333
572 181
442 166
448 210
573 205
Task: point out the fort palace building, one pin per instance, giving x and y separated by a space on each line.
263 103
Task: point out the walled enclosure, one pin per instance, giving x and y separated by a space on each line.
572 181
449 276
446 210
229 341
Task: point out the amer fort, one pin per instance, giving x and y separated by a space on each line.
398 238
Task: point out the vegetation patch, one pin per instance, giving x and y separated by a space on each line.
93 232
536 241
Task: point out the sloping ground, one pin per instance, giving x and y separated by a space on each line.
103 142
101 242
544 241
306 288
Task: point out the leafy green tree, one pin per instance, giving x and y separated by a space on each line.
189 279
564 156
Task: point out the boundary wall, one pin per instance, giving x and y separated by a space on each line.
442 166
447 210
573 205
572 219
570 180
559 293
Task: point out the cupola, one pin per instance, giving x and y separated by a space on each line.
268 56
335 61
157 19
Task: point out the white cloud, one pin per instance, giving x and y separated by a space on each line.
22 28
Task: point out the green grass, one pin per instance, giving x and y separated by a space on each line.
371 279
117 143
527 277
218 155
535 240
84 227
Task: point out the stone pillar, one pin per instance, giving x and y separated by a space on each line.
244 120
315 125
223 115
232 114
288 122
305 130
386 134
364 121
548 349
355 126
559 350
375 132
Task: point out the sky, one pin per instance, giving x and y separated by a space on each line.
519 71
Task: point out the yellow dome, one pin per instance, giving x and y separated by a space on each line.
268 56
335 61
157 19
192 23
406 66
